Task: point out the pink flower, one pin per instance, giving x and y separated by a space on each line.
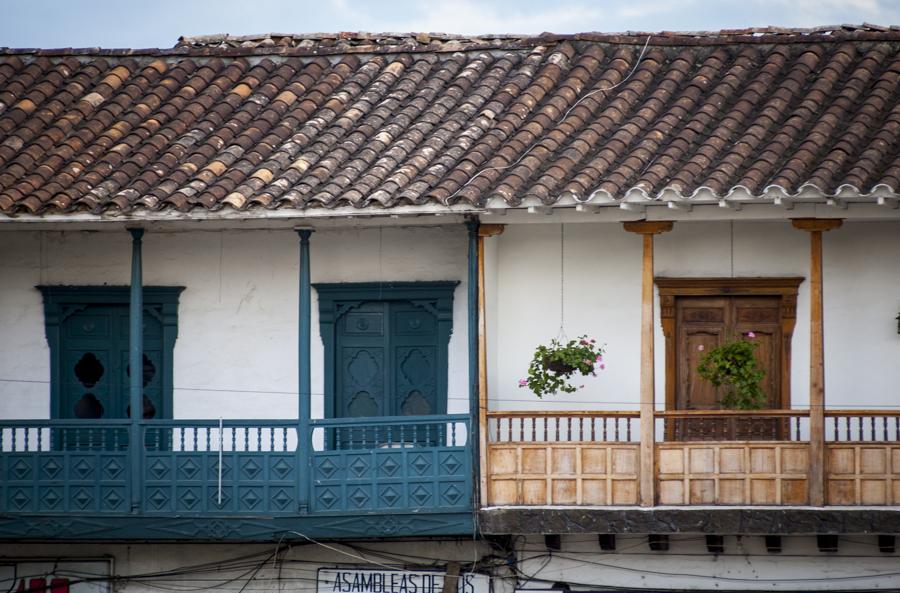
599 358
523 382
593 341
701 348
584 342
602 366
751 335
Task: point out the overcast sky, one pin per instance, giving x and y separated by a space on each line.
159 23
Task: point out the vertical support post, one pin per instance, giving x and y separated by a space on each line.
484 230
648 385
816 478
304 438
136 366
473 310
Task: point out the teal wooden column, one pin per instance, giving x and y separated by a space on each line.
304 444
472 314
136 366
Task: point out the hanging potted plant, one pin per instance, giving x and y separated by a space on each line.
733 365
553 365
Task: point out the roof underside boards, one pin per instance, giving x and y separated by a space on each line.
367 122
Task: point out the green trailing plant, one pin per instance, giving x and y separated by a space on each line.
553 365
734 366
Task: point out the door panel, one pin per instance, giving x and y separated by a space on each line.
387 353
94 358
702 323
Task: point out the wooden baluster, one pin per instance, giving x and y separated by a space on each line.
872 428
246 438
181 430
259 438
569 428
545 422
233 438
156 435
604 422
884 428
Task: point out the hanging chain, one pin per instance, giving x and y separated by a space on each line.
561 336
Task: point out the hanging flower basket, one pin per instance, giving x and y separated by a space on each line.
554 365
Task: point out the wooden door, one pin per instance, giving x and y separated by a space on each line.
701 324
388 361
95 371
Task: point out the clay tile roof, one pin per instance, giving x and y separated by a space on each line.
292 122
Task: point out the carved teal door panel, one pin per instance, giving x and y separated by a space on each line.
94 364
386 353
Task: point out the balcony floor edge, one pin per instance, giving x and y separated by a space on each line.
669 520
36 528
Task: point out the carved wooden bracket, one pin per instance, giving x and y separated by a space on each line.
649 227
816 224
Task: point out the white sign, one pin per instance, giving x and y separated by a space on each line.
360 580
54 576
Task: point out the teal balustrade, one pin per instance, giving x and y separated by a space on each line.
200 467
240 479
65 466
391 464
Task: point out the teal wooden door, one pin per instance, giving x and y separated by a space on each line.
94 377
386 355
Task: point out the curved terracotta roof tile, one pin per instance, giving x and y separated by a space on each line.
366 120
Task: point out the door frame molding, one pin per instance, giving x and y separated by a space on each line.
336 299
62 301
785 287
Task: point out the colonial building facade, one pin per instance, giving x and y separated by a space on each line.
333 259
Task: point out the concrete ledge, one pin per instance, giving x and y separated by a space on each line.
717 520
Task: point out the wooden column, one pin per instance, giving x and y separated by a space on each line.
484 230
304 445
816 480
648 478
136 365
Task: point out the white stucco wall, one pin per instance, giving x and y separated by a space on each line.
236 354
237 347
602 299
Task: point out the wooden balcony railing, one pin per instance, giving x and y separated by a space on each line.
701 457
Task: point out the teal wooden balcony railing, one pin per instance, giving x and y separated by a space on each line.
420 463
191 471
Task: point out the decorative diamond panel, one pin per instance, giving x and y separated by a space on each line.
281 499
327 468
20 469
82 498
451 464
327 497
359 497
158 499
420 495
158 469
188 498
51 468
112 469
281 468
389 496
420 464
82 469
19 499
251 469
250 499
50 499
112 500
188 469
358 466
451 495
389 466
